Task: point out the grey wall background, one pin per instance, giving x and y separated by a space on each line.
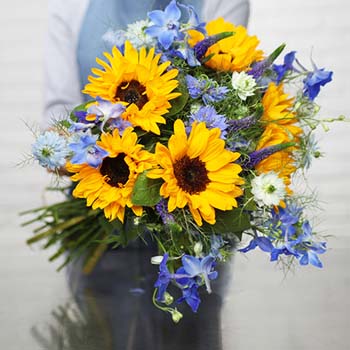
321 24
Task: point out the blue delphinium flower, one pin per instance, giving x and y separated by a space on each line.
107 111
206 89
314 80
282 69
51 150
193 21
191 296
306 249
212 120
164 278
199 267
86 151
288 234
165 24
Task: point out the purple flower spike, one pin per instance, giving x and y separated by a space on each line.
241 124
202 47
257 156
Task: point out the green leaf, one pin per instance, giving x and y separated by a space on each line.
178 104
276 53
146 191
231 221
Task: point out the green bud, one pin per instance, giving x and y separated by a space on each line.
198 248
168 299
176 315
317 154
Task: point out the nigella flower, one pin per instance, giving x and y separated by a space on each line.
244 84
136 34
268 189
165 24
212 120
51 150
86 151
314 81
282 69
207 89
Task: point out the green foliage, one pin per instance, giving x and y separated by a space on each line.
178 104
146 191
229 222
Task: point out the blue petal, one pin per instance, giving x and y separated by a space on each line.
314 260
191 265
264 244
166 38
154 31
172 12
304 259
157 17
252 245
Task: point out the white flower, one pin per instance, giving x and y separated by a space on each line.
114 38
268 189
135 33
156 260
244 84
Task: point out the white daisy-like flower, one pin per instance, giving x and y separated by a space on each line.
268 189
244 84
135 33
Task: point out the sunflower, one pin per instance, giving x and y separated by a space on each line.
278 109
198 171
235 53
109 187
280 127
136 80
282 162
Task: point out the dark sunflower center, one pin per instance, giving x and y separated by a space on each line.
116 170
191 175
132 92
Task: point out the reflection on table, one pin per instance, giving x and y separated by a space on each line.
112 309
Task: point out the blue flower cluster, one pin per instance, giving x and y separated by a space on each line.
212 120
166 25
314 79
206 89
287 233
193 273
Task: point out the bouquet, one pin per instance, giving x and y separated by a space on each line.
191 138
